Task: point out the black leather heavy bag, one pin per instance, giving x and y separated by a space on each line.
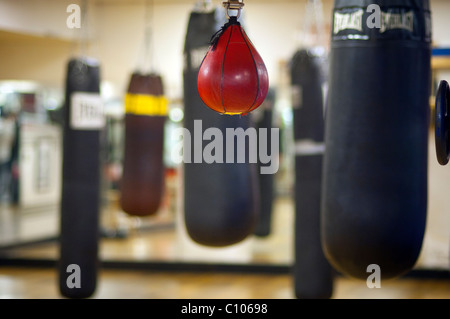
375 166
312 272
142 183
263 118
80 202
219 198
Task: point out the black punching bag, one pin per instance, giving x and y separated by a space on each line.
81 177
442 123
219 198
374 199
263 118
312 272
142 182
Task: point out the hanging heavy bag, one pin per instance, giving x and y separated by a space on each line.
80 202
219 198
142 182
375 166
263 120
312 272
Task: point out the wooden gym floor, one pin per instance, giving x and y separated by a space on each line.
160 243
37 283
25 281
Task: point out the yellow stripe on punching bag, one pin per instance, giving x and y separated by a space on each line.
140 104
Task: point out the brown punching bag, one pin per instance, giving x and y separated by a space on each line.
142 183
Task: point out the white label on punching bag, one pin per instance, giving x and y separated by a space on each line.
345 21
403 20
197 56
324 97
296 96
86 111
307 147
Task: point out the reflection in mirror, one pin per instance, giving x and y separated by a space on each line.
31 183
30 147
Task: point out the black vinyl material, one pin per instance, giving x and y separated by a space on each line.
264 120
312 273
220 199
81 182
441 123
374 199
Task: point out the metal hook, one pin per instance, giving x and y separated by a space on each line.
233 5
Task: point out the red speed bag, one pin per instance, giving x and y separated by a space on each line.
232 78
